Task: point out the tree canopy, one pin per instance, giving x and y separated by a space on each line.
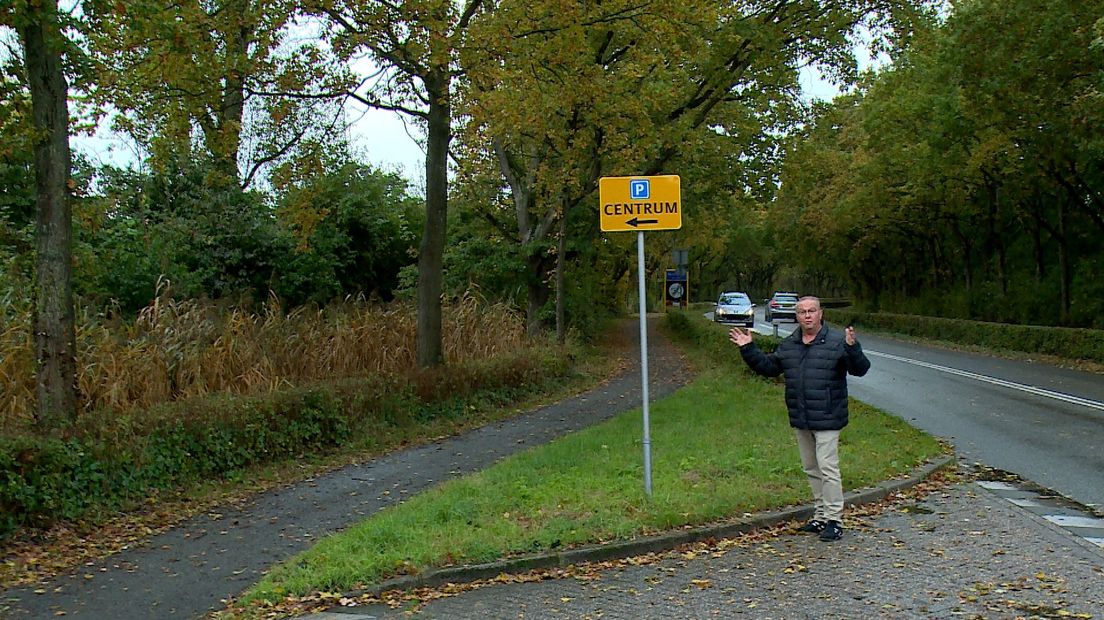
965 180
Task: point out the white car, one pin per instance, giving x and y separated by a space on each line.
734 307
781 306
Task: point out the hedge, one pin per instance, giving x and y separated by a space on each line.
108 460
1066 342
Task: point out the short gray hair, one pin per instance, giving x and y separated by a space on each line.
810 298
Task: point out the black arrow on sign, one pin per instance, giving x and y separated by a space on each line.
635 222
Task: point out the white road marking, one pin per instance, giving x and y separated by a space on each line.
1072 521
1086 527
995 485
1068 398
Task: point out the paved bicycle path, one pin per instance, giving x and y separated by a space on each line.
191 569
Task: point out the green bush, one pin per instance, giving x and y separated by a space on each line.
1066 342
112 460
46 478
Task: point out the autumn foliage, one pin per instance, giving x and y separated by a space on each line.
189 392
182 349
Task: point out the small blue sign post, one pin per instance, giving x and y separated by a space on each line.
676 289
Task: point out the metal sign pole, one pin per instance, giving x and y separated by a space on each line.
644 360
640 204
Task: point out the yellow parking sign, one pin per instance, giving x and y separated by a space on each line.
640 203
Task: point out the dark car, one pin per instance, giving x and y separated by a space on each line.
781 305
734 307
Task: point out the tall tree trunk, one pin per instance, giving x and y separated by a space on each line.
55 337
221 123
537 290
431 252
1058 234
232 114
1063 263
1037 239
933 265
532 228
994 241
561 263
967 257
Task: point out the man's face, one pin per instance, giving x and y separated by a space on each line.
808 315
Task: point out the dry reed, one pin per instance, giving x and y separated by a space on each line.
180 349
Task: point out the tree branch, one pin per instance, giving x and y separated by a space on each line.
629 12
271 157
378 104
468 14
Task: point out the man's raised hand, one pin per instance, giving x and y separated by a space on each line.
740 337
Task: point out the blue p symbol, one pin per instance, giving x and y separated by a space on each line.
640 189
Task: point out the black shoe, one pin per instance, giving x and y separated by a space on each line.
814 526
832 531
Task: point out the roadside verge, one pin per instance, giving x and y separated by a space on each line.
648 544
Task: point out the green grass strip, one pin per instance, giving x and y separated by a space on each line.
721 447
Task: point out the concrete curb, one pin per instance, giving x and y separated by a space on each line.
647 544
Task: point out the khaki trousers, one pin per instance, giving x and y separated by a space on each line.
820 460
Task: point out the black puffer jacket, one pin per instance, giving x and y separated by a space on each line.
816 376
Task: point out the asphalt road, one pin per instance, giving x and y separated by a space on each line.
1043 423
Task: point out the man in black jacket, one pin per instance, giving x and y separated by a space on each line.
815 361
